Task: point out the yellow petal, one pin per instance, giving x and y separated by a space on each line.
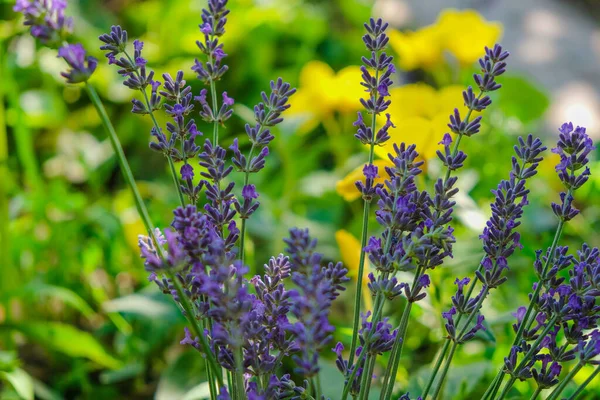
318 80
413 100
419 49
350 252
302 108
412 130
449 98
466 33
347 188
349 89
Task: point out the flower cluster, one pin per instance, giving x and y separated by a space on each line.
48 24
46 19
250 329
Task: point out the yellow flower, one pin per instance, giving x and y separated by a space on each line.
322 92
466 33
346 187
419 49
462 33
350 253
421 115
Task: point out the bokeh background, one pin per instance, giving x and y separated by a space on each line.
78 319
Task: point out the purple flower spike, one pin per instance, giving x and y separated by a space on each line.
82 67
46 20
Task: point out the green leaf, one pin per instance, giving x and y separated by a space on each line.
181 376
67 296
150 304
199 392
66 339
521 99
43 392
20 381
333 382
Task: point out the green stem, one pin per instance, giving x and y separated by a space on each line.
157 126
507 387
392 369
491 392
566 380
141 207
171 165
213 93
582 387
239 374
10 273
189 314
318 387
535 394
455 344
364 234
445 370
379 300
368 377
246 180
122 160
528 355
352 375
436 368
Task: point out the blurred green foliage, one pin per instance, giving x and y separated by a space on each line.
77 319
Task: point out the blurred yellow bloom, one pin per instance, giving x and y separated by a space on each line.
462 33
419 49
321 92
466 33
350 252
421 115
346 187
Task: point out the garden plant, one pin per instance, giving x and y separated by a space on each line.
266 333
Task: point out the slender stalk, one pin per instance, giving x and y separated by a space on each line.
507 387
157 126
445 371
364 234
436 368
491 391
10 273
239 374
189 314
455 344
122 160
213 94
141 207
352 376
378 311
535 394
368 378
392 368
318 388
566 380
582 387
494 386
527 357
246 180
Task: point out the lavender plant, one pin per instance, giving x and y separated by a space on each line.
249 329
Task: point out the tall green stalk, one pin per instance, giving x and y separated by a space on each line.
363 236
9 272
527 320
527 357
141 207
582 387
565 381
157 127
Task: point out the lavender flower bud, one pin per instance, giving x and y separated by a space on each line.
81 67
46 19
